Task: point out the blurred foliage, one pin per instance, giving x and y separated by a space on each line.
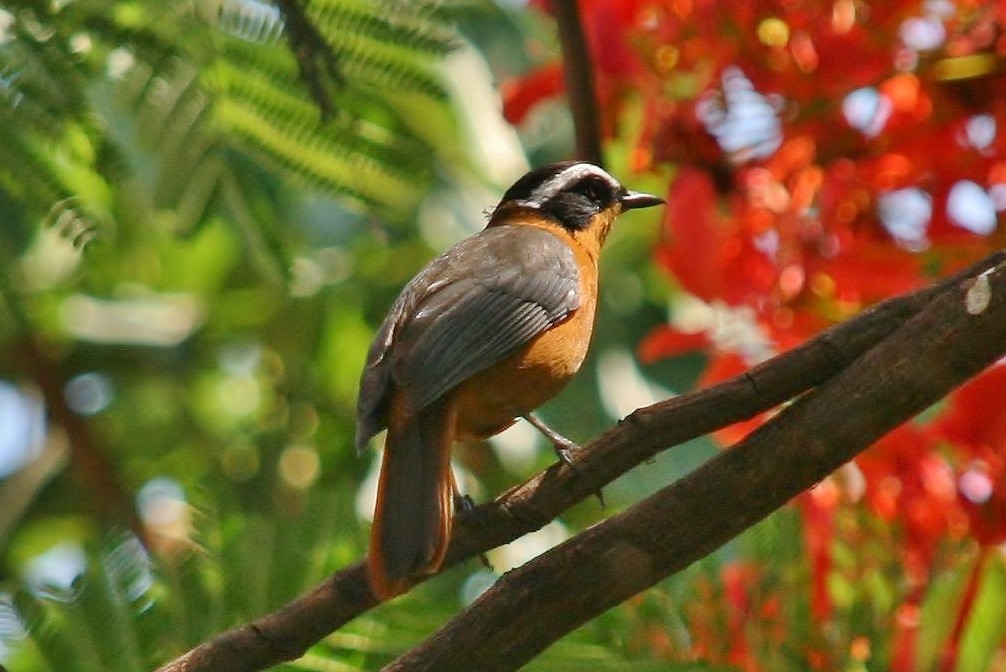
193 259
192 263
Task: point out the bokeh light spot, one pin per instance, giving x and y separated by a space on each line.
980 131
867 111
791 280
299 466
906 214
970 207
240 396
843 16
58 567
89 393
923 33
975 485
773 32
22 428
744 122
667 57
164 510
823 285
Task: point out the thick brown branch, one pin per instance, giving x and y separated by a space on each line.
287 633
284 634
956 336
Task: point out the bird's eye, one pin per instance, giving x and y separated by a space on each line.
597 193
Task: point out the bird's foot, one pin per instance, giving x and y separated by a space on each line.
564 447
466 511
464 505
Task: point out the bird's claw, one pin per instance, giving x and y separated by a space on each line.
564 451
463 503
564 448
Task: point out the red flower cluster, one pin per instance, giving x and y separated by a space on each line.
828 154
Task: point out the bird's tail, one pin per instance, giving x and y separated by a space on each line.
414 511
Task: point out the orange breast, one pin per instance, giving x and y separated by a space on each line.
490 401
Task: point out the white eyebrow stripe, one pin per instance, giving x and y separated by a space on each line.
547 190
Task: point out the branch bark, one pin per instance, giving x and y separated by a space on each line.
889 337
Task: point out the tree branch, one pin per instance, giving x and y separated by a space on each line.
578 76
94 471
288 632
316 60
959 333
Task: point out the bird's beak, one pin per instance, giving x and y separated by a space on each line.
637 199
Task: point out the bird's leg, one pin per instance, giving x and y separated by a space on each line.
463 504
563 446
464 507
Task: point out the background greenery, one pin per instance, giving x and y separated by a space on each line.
193 263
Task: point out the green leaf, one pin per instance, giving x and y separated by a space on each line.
986 627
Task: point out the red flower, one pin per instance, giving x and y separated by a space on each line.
975 425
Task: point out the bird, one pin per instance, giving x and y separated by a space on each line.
484 334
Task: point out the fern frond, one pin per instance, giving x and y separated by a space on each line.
383 44
375 69
172 112
366 127
311 157
29 179
384 23
251 20
25 170
40 90
71 222
42 83
364 153
220 78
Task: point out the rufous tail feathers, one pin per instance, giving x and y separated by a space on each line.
414 511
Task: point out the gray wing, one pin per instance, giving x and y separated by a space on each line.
467 310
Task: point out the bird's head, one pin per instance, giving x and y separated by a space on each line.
580 197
